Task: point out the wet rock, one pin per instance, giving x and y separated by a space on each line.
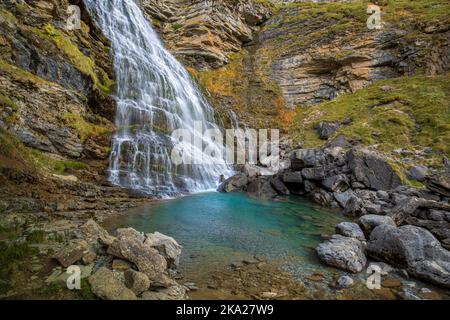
72 253
372 170
414 249
136 281
350 229
279 186
234 184
105 286
370 222
262 189
343 252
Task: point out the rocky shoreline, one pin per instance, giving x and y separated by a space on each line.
404 226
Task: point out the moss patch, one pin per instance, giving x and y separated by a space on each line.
413 113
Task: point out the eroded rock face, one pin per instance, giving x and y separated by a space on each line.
413 248
343 252
205 33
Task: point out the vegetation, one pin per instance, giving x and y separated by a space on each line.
406 112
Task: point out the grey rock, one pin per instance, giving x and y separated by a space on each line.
383 195
293 177
344 282
372 170
370 222
279 186
323 198
166 246
373 208
439 183
327 129
414 249
343 252
309 186
354 207
316 173
234 183
404 209
343 197
350 229
105 286
261 188
305 158
418 173
338 183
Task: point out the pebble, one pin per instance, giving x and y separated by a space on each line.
345 282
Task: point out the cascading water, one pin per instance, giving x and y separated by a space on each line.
155 95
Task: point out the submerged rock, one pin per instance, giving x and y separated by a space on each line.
343 252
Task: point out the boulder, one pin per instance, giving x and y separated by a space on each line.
354 207
343 252
418 173
372 170
343 197
132 246
105 286
344 282
316 173
439 183
72 252
293 177
235 183
92 232
167 247
279 186
261 188
306 158
370 222
327 129
350 229
338 183
404 209
136 281
414 249
323 198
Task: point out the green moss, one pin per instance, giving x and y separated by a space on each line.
36 236
54 166
176 26
413 115
4 100
10 256
84 128
86 291
21 74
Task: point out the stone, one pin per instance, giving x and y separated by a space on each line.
414 249
383 195
354 207
370 222
323 198
343 253
344 282
316 173
439 183
92 232
72 253
105 286
166 246
307 158
279 186
136 281
418 173
293 177
372 170
338 183
343 197
175 292
89 257
309 186
132 246
268 295
119 264
405 208
327 129
350 229
234 183
261 188
373 208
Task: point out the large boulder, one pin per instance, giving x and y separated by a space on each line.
261 188
316 173
136 281
293 177
72 252
135 247
414 249
235 183
338 183
343 197
343 252
418 173
350 229
372 170
371 221
404 208
92 232
354 207
279 186
105 286
327 129
439 183
307 158
167 247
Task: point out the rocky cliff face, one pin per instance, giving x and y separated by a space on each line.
55 84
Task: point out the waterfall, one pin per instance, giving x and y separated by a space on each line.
155 95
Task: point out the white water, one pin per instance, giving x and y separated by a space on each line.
155 95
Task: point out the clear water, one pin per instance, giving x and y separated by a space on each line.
216 229
155 96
